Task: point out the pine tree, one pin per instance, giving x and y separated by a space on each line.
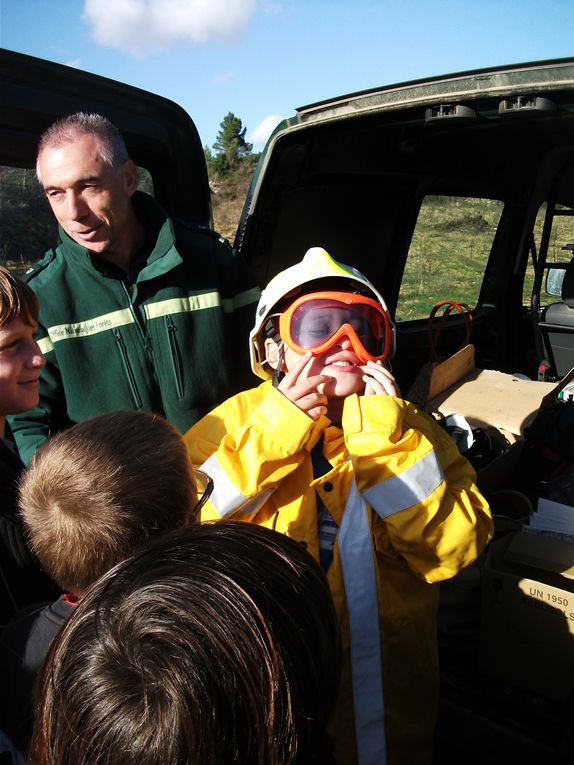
231 147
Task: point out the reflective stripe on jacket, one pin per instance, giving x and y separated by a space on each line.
162 338
409 516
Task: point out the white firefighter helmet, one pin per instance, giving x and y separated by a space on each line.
316 264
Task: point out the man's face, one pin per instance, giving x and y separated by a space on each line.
90 199
20 363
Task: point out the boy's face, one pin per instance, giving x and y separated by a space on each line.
323 352
339 363
20 363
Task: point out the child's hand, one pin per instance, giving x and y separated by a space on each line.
379 381
305 392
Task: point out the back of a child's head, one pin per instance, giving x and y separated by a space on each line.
96 492
218 644
17 300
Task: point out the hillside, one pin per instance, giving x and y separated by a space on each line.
227 197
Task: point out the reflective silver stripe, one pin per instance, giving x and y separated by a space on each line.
241 299
358 565
152 311
45 345
182 305
406 489
200 303
91 326
226 497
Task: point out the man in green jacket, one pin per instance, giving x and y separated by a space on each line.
136 311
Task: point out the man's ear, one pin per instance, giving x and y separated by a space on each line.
271 352
130 172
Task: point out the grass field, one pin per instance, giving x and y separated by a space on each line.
450 249
448 253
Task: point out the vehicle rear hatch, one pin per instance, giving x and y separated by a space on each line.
349 173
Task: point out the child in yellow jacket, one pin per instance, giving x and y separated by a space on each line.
327 452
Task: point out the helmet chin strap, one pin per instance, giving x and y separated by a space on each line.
278 373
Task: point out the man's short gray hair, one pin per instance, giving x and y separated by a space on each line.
113 149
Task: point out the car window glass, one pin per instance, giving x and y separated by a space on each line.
27 226
448 253
560 251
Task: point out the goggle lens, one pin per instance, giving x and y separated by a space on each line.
315 321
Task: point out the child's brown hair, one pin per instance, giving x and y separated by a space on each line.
16 299
96 492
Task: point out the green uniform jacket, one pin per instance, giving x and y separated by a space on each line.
169 338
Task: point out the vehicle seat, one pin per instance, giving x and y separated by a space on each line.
557 328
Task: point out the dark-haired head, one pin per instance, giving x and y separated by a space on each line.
219 644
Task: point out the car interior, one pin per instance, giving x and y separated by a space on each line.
357 185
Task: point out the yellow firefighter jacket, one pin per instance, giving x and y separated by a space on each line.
409 515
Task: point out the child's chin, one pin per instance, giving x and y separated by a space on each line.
341 387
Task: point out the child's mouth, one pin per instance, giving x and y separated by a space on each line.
343 363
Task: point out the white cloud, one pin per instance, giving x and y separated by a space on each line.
261 133
223 79
140 27
75 62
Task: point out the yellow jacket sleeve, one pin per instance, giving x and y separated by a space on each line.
248 445
420 487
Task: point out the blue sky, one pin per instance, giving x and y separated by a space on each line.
260 59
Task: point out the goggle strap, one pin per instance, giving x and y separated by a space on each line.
278 371
271 330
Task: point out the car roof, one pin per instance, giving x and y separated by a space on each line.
499 133
538 75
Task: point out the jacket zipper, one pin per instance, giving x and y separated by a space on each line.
127 368
142 331
175 355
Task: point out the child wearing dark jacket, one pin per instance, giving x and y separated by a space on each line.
22 580
92 496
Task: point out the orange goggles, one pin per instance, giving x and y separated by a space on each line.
317 321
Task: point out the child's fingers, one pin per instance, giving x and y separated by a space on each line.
305 392
373 387
294 373
380 379
303 386
313 404
315 412
369 390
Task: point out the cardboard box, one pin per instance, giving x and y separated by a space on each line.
486 397
527 624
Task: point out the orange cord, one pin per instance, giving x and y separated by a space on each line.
449 305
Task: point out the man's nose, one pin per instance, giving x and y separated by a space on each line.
76 206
